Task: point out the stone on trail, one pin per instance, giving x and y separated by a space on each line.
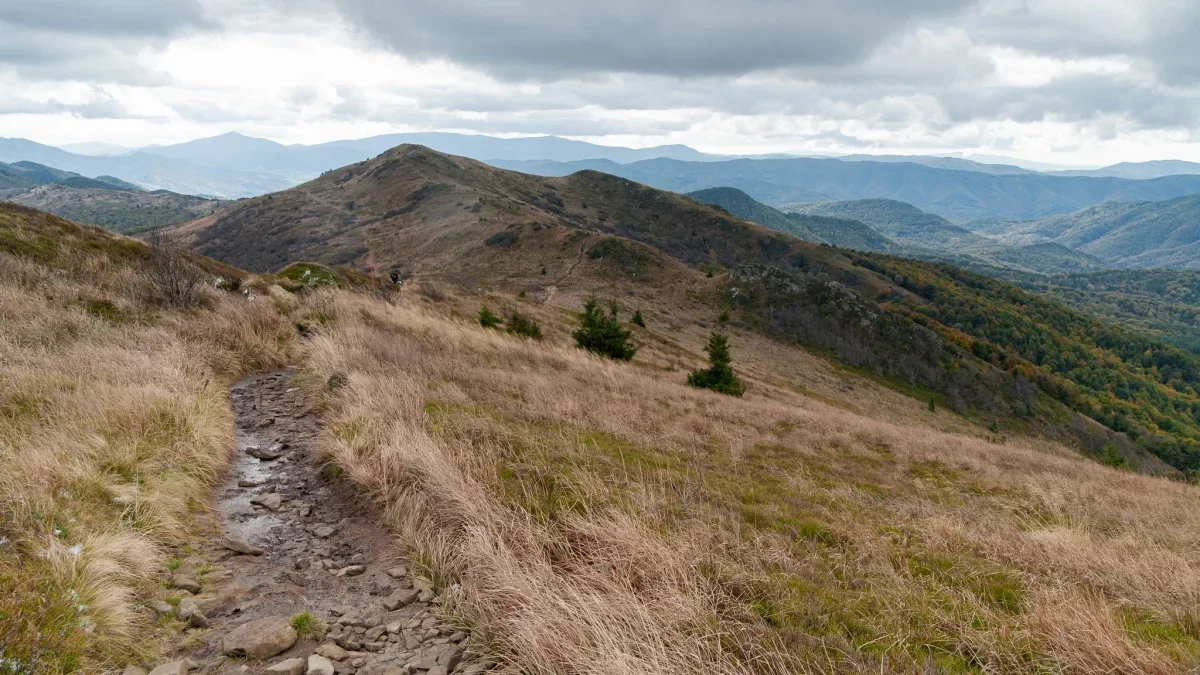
172 668
189 611
351 571
397 572
161 607
332 652
402 598
263 454
324 531
289 667
133 670
186 583
270 500
260 639
247 483
240 546
319 665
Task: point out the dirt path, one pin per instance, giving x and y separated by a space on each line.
553 288
287 539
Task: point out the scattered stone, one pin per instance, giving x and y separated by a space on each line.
324 531
301 564
134 670
247 483
319 665
449 656
172 668
458 636
266 422
263 454
393 628
188 611
333 652
161 607
240 546
422 584
268 500
425 596
260 639
373 634
438 670
289 667
397 572
186 583
351 571
402 598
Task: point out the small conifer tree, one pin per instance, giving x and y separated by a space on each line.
719 376
523 326
637 319
487 319
602 334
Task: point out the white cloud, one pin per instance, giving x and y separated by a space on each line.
1088 81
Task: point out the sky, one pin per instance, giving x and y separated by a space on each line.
1078 82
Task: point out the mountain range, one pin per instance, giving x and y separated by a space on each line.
960 189
953 194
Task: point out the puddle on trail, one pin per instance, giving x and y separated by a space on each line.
239 517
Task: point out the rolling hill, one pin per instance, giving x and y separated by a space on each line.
841 232
955 195
1123 234
20 176
418 212
118 210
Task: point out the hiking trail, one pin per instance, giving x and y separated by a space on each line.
286 537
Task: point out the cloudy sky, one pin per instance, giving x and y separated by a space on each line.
1085 82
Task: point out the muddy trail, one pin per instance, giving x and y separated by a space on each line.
296 573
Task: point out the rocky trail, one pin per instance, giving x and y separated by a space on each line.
296 573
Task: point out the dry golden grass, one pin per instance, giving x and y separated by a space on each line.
604 518
114 423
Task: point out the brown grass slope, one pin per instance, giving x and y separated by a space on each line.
582 515
114 423
599 517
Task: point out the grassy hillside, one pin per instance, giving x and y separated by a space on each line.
602 517
590 516
115 209
115 424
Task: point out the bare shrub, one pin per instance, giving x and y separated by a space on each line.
176 282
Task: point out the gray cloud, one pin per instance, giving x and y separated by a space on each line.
536 39
93 41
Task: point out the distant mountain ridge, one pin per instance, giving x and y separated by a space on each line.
21 176
953 194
